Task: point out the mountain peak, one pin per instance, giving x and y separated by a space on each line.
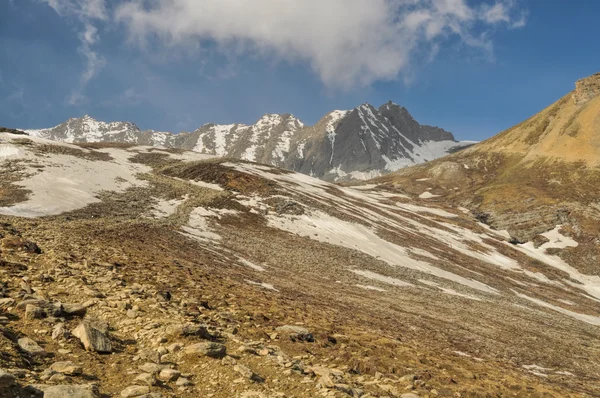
84 118
359 143
392 106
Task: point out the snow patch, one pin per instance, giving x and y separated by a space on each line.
592 320
68 183
267 286
382 278
251 265
428 195
165 208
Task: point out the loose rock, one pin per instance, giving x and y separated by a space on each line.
31 347
135 391
33 312
92 336
146 379
247 373
70 391
168 375
214 350
297 333
67 367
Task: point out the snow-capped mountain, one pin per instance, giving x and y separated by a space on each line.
361 143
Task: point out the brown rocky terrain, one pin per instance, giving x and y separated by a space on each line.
132 271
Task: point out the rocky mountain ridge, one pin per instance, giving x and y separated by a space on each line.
361 143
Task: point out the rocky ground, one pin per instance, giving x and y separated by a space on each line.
78 325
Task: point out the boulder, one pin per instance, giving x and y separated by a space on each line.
152 368
209 349
296 333
74 309
196 330
6 302
31 347
59 331
150 355
70 391
146 379
182 382
168 375
135 391
32 311
247 373
67 367
93 335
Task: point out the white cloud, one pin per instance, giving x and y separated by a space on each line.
346 42
87 12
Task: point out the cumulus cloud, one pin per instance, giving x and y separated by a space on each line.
346 42
87 13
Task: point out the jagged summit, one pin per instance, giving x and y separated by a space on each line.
360 143
586 89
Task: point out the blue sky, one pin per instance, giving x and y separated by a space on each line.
471 67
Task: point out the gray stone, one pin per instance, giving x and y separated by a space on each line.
209 349
135 391
296 333
92 335
58 377
74 309
152 368
196 330
7 302
150 355
182 382
146 379
247 373
168 375
70 391
67 367
32 311
59 331
31 347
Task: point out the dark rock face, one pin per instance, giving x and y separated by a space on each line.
411 129
12 131
361 143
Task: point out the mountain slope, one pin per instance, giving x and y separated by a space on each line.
568 130
297 286
361 143
530 178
